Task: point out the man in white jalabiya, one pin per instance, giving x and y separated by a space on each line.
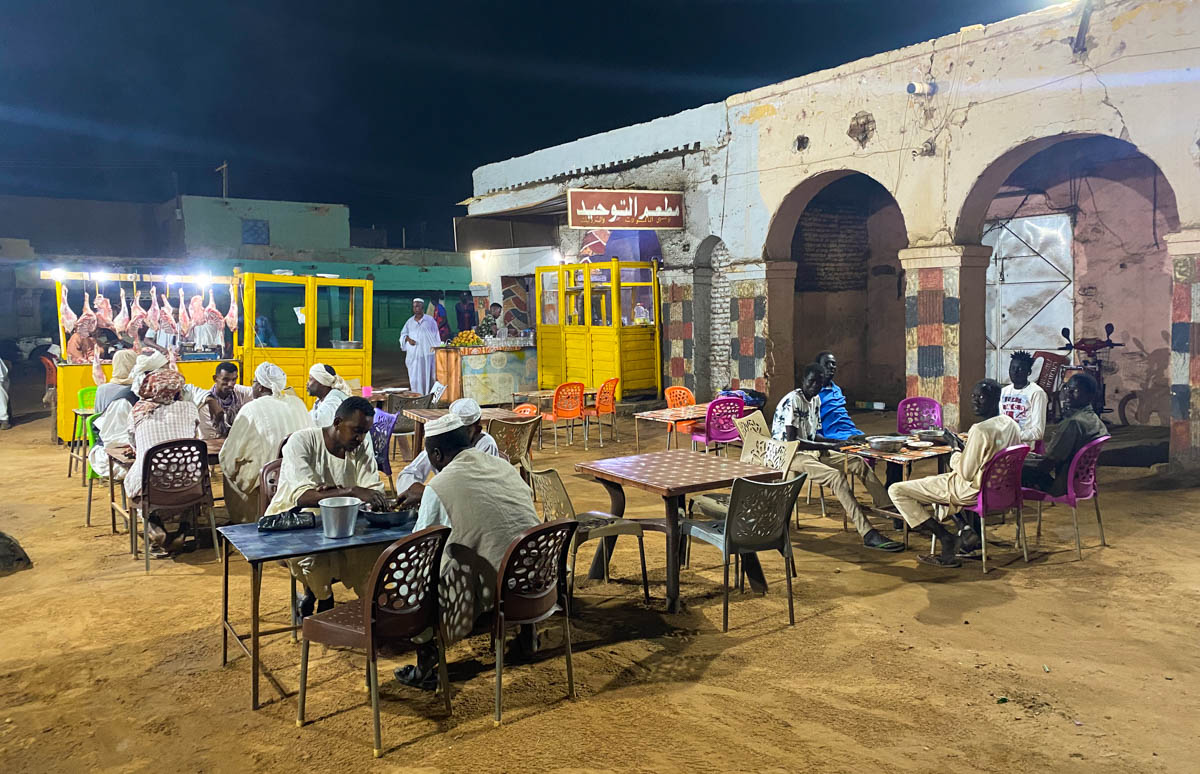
259 428
329 389
4 383
333 461
114 408
418 338
410 484
487 505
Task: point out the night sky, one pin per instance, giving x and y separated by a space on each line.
388 106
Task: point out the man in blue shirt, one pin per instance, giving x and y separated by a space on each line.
836 423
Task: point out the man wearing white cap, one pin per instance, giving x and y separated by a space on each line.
258 429
487 505
329 389
418 338
411 481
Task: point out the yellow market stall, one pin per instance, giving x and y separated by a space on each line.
596 321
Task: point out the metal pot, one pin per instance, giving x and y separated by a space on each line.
338 516
886 443
933 434
339 344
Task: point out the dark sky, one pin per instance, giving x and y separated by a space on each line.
388 106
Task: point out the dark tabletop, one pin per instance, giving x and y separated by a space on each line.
675 472
264 546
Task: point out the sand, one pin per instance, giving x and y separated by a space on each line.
1058 665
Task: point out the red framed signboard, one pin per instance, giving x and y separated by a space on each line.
615 209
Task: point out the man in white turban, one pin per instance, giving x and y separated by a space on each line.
418 338
329 389
411 481
155 359
258 430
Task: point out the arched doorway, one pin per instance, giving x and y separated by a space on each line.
1077 225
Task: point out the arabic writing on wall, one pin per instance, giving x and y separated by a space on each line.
591 208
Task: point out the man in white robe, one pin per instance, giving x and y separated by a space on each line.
259 428
410 484
4 383
329 389
418 338
333 461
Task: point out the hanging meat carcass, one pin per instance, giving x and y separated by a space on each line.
86 324
104 312
166 320
206 331
69 318
185 319
154 316
138 321
97 370
121 321
231 318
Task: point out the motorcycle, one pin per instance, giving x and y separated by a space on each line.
1092 361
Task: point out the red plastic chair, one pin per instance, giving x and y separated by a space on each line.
606 403
527 410
918 413
678 397
568 406
1081 485
51 371
718 426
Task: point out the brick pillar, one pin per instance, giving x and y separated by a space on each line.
944 306
760 319
1184 249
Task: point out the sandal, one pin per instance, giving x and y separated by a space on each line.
408 675
937 560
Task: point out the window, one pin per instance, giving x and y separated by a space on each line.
256 232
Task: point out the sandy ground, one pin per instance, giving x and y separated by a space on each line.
891 667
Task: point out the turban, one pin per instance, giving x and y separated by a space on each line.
332 381
146 363
444 424
272 377
158 389
122 366
466 409
418 300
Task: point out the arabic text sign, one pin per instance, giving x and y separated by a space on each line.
594 208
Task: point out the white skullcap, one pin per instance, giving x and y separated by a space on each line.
322 376
415 300
271 376
443 424
466 409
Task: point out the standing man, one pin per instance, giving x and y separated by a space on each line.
418 338
465 310
1024 400
410 484
439 316
835 420
229 397
329 389
4 382
1048 472
490 324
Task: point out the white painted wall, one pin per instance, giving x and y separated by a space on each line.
490 265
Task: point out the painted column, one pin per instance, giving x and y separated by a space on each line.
944 305
760 319
677 296
1184 249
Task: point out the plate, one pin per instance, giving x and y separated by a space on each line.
390 518
918 444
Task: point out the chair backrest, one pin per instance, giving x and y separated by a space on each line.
556 503
606 397
404 588
718 419
396 404
678 397
533 576
568 400
514 438
1081 476
766 451
86 398
759 512
1001 480
752 424
1052 364
51 371
268 485
90 427
382 428
175 474
527 410
283 443
918 413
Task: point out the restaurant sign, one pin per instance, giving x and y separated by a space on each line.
599 208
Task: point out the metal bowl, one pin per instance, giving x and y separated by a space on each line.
346 344
934 434
886 443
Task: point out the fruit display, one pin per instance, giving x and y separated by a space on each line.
466 338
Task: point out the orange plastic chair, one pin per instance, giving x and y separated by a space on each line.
678 397
606 403
527 410
568 406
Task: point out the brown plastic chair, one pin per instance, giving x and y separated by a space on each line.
678 397
515 439
527 410
593 525
175 479
268 485
397 404
1052 366
532 586
402 605
568 407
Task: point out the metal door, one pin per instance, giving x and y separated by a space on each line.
1030 287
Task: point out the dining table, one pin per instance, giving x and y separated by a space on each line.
670 416
672 475
421 416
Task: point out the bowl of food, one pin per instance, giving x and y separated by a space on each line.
933 434
919 444
391 518
886 443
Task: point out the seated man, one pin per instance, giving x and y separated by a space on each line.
487 505
961 485
114 409
836 423
333 461
254 439
1079 427
217 415
798 419
410 484
329 389
1024 400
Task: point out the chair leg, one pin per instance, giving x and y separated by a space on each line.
88 518
1039 526
1078 543
725 602
443 670
614 423
607 558
146 538
983 539
212 522
1021 533
600 426
373 671
303 682
499 665
1099 521
295 606
645 581
821 495
788 560
556 437
567 645
571 581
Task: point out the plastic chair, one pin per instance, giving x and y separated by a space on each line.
397 404
268 484
531 586
1081 485
382 428
678 397
527 410
757 520
85 402
404 603
1048 379
175 478
606 403
752 424
718 426
51 371
515 440
50 398
918 413
593 525
568 406
89 473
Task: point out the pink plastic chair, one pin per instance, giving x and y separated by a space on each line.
719 426
918 413
1081 485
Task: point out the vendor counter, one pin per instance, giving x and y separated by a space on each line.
489 374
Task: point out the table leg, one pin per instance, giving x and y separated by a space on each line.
255 587
224 601
418 438
673 504
943 463
637 441
616 498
